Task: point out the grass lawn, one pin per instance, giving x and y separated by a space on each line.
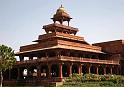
94 84
23 86
94 80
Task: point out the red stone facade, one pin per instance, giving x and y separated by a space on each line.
60 53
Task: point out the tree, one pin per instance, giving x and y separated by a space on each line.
7 59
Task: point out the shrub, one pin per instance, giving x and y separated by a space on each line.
74 78
90 77
102 78
106 84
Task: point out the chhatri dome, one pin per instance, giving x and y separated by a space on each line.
61 15
61 10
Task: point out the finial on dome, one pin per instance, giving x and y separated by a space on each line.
61 5
61 15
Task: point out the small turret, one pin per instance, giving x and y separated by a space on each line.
61 16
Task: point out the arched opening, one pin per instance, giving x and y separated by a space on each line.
64 70
84 69
44 71
74 68
101 70
55 70
93 69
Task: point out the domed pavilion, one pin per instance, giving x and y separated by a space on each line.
59 53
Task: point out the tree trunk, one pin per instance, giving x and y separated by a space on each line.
1 75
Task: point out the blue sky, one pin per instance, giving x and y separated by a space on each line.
21 21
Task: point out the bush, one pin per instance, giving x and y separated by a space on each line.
76 78
102 78
106 83
90 77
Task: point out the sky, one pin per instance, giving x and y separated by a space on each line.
21 21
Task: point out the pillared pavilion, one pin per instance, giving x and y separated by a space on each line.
59 53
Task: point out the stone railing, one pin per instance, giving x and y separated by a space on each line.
66 58
26 62
43 59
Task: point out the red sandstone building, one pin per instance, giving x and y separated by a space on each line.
60 53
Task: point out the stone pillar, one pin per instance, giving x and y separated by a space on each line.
46 54
89 69
118 69
68 23
18 77
60 71
9 74
49 70
28 71
97 70
111 70
104 70
30 57
79 69
21 58
39 72
58 53
69 69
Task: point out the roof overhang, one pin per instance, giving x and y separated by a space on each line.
61 47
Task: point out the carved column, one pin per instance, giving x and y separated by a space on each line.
46 31
88 68
69 69
118 69
68 22
111 70
46 54
58 53
39 72
28 71
97 70
30 57
18 77
79 68
104 68
21 58
60 71
49 70
9 74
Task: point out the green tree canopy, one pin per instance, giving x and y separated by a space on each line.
7 59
